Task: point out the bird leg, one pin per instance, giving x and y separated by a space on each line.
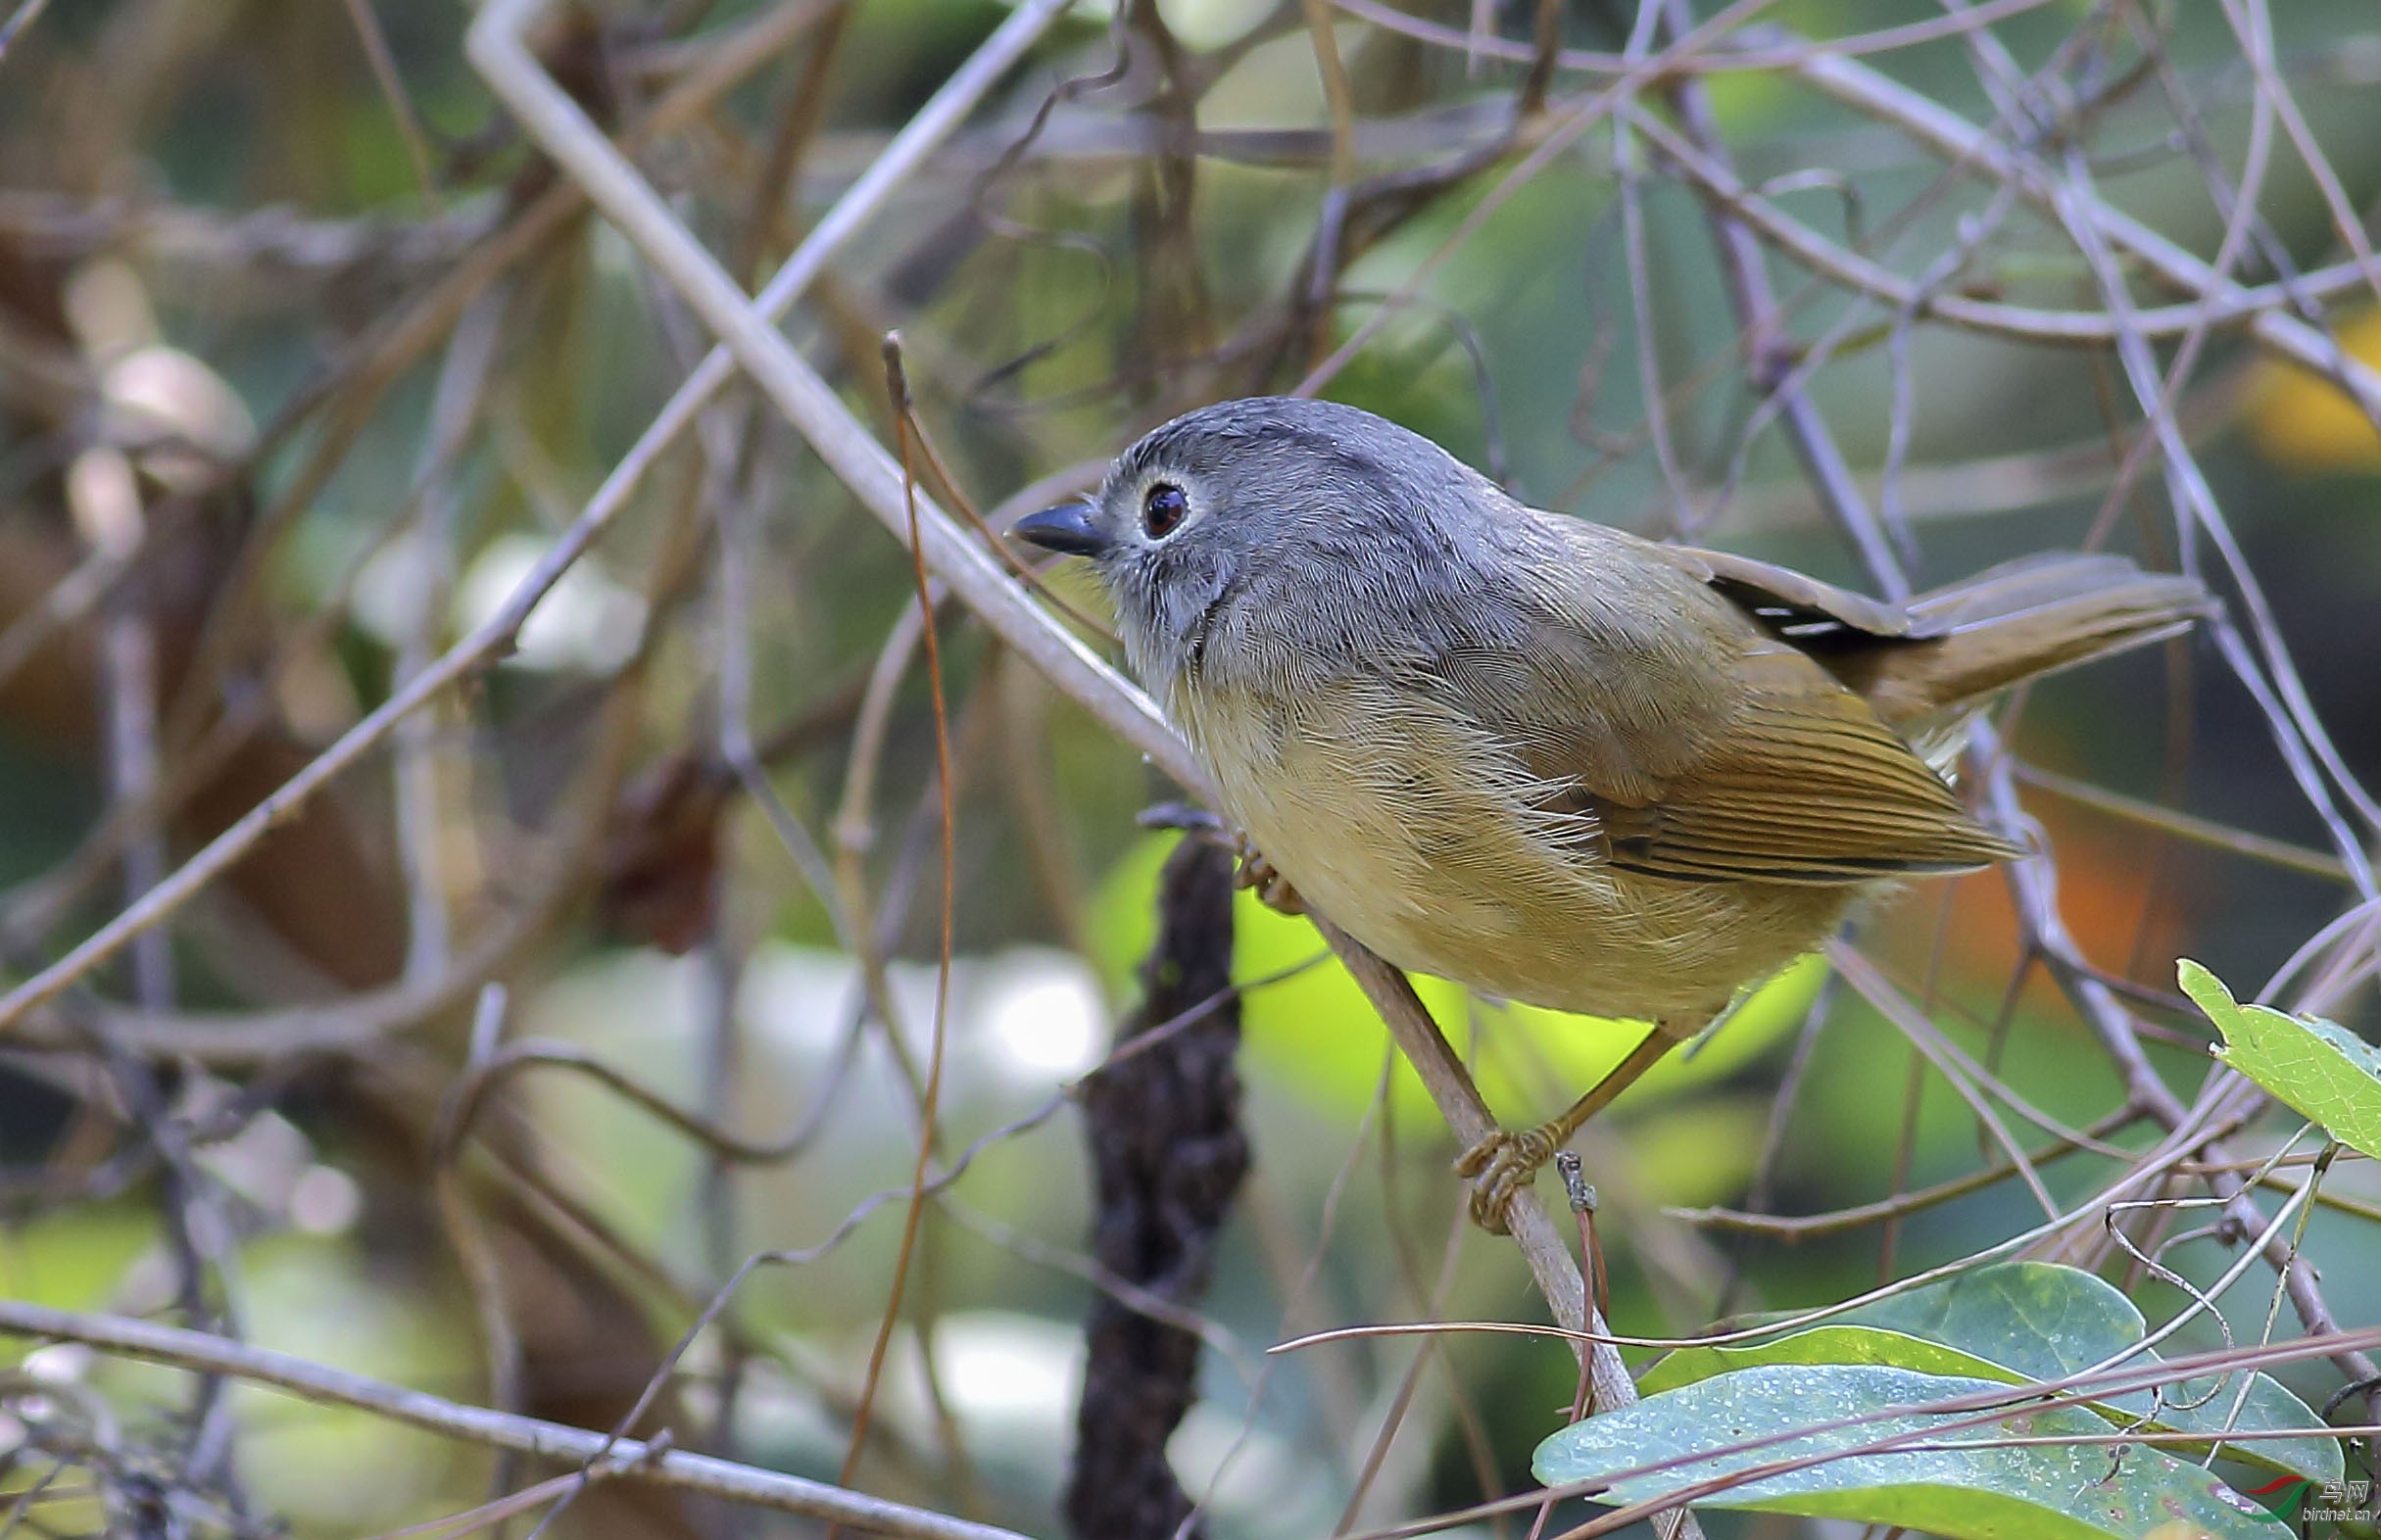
1506 1163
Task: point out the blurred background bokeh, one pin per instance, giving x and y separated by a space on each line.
305 357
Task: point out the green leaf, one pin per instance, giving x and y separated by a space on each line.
2022 1322
1827 1344
2317 1069
2040 1319
1954 1484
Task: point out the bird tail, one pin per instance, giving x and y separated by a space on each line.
2033 616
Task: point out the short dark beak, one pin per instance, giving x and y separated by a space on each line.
1066 529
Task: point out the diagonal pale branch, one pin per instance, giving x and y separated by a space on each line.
1533 1230
475 651
622 1459
974 577
978 581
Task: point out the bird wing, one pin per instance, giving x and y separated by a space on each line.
1801 784
1704 745
1800 607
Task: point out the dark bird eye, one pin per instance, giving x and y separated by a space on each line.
1163 509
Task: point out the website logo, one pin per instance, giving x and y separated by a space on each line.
2321 1508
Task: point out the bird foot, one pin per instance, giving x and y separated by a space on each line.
1500 1166
1271 888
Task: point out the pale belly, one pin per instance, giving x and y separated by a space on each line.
1391 823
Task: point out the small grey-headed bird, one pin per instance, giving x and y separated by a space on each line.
1550 761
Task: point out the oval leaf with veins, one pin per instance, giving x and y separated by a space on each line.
2317 1069
1962 1484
